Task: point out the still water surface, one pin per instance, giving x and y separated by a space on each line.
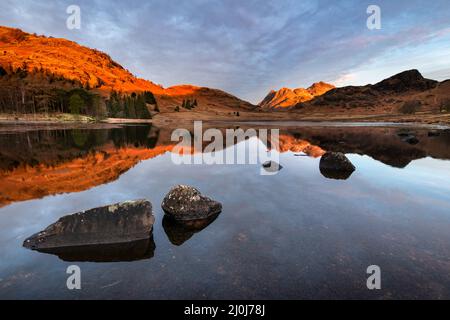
297 234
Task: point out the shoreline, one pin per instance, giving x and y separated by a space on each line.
432 121
350 124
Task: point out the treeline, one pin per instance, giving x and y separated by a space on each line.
40 91
37 91
23 100
132 106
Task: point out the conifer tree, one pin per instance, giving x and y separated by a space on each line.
76 103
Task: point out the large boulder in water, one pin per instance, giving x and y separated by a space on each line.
119 223
184 203
272 166
335 165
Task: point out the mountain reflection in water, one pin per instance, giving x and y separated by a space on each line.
35 164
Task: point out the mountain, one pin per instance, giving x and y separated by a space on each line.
404 97
411 80
45 75
90 67
212 100
35 71
286 98
407 92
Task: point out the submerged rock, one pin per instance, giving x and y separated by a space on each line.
434 133
184 203
272 166
409 136
403 134
119 223
411 140
179 232
335 165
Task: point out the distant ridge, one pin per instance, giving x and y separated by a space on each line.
389 95
286 98
45 75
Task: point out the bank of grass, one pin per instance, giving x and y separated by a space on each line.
49 117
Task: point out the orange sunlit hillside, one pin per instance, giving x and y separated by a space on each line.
69 60
287 98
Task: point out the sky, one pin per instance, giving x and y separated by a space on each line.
249 47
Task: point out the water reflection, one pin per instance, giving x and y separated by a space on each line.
118 252
38 163
180 232
335 174
46 162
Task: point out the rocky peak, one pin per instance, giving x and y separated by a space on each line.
407 80
319 88
286 98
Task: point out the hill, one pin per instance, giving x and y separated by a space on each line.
405 93
41 74
286 98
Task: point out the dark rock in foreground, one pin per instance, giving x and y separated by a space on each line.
185 203
119 223
117 252
179 232
272 166
335 165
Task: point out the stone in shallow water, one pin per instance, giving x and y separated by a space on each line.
434 133
185 203
411 140
119 223
272 166
335 165
403 134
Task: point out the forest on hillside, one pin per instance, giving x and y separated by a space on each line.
39 91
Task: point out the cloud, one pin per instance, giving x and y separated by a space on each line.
344 79
246 47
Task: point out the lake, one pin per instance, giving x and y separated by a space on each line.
298 234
